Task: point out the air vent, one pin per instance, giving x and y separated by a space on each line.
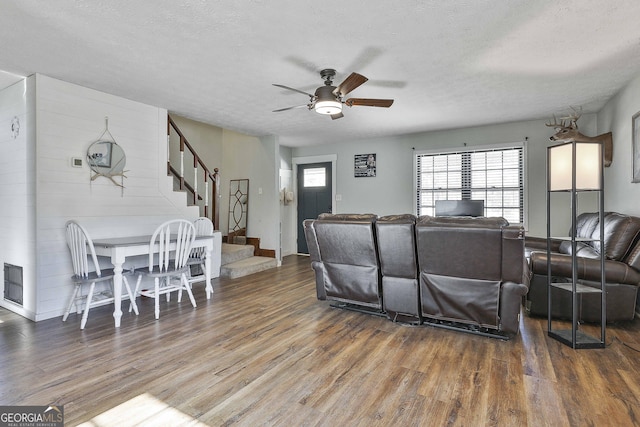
13 288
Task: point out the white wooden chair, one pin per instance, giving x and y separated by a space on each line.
196 261
82 249
174 240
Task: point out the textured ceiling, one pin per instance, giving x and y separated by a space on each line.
447 64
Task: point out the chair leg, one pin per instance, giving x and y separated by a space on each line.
136 292
186 286
157 297
132 297
85 315
73 301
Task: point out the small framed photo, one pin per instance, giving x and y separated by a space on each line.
364 165
636 147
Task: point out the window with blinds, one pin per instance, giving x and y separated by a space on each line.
492 175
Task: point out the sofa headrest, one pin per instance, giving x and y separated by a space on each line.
398 219
453 221
347 217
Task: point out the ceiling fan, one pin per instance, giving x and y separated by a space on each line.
328 99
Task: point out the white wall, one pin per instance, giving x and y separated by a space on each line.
253 158
392 190
17 189
621 195
288 209
68 118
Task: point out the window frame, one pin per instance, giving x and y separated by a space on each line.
469 149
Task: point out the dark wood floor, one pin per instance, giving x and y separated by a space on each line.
264 351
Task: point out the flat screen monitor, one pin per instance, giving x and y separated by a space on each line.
459 207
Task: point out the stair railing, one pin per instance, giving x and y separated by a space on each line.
208 199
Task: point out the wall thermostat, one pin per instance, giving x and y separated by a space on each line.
76 162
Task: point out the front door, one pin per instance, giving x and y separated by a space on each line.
314 196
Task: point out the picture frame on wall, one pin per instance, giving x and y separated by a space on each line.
364 165
635 126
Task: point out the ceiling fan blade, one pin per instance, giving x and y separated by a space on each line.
337 116
295 90
350 83
291 108
386 103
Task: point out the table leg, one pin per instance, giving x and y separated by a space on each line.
207 270
117 290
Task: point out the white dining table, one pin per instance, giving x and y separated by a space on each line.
118 249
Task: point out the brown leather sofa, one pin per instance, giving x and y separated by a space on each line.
622 269
462 273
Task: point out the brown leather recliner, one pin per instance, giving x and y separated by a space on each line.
344 256
622 269
472 271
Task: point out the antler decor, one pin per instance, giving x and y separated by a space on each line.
567 131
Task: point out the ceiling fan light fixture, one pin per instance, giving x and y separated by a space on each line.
326 101
328 107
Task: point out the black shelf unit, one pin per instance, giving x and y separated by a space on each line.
573 187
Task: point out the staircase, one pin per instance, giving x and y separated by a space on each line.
239 261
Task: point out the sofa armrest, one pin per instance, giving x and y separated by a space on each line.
588 268
534 243
510 302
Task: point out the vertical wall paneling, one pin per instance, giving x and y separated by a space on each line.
43 190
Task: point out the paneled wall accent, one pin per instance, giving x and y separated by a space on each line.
68 118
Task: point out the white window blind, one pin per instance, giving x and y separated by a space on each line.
492 175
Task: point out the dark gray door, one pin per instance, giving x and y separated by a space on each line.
314 196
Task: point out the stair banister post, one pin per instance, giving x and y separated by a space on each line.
195 178
216 199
